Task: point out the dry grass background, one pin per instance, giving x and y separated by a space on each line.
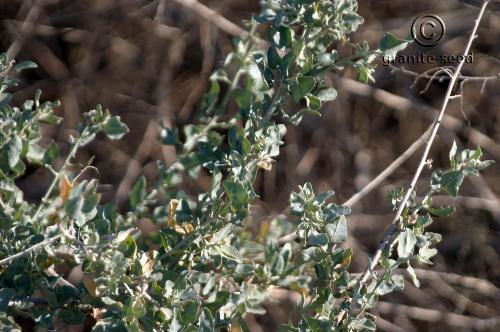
149 61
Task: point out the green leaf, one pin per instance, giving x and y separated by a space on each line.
73 208
317 239
230 252
206 321
50 118
327 59
238 141
327 94
337 231
365 74
223 233
406 243
244 270
169 136
442 211
183 211
423 221
138 192
362 324
25 65
451 182
453 155
303 86
390 45
51 154
425 254
109 324
273 59
35 153
128 247
277 264
413 276
114 128
299 201
243 98
286 37
6 294
313 103
321 198
176 323
333 211
237 193
14 149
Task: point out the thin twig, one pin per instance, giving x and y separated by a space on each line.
30 249
404 105
437 122
375 182
426 75
388 170
24 31
56 179
212 16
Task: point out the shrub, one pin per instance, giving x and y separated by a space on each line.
177 261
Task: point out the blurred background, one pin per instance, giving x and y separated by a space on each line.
149 61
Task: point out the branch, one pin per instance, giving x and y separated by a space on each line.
494 5
218 20
404 105
388 170
30 249
427 75
375 182
437 122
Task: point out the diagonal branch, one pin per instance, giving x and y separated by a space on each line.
437 122
27 251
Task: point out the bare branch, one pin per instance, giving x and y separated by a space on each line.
388 236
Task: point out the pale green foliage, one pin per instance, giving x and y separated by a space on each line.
197 267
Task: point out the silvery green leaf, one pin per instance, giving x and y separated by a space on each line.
317 239
327 94
230 252
14 149
223 233
25 65
333 211
425 254
277 264
406 243
114 128
442 211
236 192
413 276
337 231
206 321
321 198
390 45
452 155
176 323
303 86
451 181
